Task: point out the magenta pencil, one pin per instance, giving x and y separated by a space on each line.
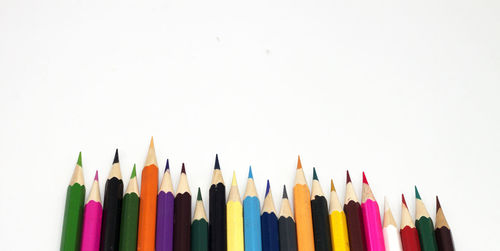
371 217
92 217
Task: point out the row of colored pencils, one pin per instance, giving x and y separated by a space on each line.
161 219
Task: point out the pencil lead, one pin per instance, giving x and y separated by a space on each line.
332 187
438 205
233 182
217 166
133 173
285 195
403 199
417 195
315 176
364 179
267 188
167 167
348 179
199 195
79 161
116 159
96 177
299 165
250 175
183 169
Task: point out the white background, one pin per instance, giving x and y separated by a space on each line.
407 91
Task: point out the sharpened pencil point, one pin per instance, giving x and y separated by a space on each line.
417 195
183 169
116 159
199 195
167 167
332 186
285 195
315 176
250 175
233 182
364 179
133 173
438 205
403 199
267 188
79 161
151 143
299 165
386 204
96 177
217 166
348 178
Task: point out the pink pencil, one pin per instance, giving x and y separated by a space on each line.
92 216
371 217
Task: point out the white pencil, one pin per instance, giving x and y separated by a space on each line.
391 231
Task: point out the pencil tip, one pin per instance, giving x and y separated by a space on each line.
96 177
417 194
299 165
386 204
364 179
183 169
403 199
267 188
199 194
133 172
217 166
438 205
332 186
348 179
250 175
167 167
79 161
315 176
151 143
233 182
285 195
116 159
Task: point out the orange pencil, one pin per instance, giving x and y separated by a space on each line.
147 205
303 216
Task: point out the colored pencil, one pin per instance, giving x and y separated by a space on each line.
199 226
130 215
302 206
182 214
371 218
73 210
92 218
391 234
235 240
408 231
112 209
424 225
354 218
321 221
338 223
251 216
217 210
443 233
269 223
165 213
287 230
147 210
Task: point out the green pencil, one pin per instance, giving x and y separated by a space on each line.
199 227
424 225
73 210
130 216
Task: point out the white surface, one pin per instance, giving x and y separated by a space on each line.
407 91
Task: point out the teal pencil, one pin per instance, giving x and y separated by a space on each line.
251 216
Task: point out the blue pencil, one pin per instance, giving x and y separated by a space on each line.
251 216
269 222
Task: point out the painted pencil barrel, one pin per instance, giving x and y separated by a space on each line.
91 229
235 241
182 222
373 226
321 224
426 235
251 221
73 216
303 218
409 239
355 226
392 240
147 211
338 231
288 234
217 217
165 221
111 214
444 239
129 222
270 232
199 235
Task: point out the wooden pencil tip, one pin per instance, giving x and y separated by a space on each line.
167 167
438 205
183 169
299 165
199 195
133 173
315 176
250 174
79 161
285 195
268 187
417 194
96 177
404 201
332 187
217 166
116 159
348 178
364 179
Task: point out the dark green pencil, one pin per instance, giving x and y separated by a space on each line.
424 225
130 216
199 226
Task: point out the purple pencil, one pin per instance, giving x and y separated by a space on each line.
165 213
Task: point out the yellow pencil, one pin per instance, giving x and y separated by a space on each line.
235 241
338 224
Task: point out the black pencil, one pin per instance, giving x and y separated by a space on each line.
182 215
320 217
112 209
217 210
286 225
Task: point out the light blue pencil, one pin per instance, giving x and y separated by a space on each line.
251 216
